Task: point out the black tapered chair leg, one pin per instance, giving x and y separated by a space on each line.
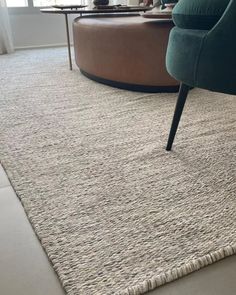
183 93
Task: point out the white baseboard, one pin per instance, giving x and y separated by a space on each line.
41 46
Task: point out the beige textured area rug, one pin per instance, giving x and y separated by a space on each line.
115 212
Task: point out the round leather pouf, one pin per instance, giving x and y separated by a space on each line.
124 51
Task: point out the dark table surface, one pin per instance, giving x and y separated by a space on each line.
89 10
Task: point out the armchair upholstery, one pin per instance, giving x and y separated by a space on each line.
200 14
203 58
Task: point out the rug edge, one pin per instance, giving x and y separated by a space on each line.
156 281
179 272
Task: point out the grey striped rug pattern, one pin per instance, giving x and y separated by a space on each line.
115 212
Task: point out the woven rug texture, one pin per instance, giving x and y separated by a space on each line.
115 212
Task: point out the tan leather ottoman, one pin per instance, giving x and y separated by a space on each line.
124 51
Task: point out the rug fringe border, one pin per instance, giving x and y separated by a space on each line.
179 272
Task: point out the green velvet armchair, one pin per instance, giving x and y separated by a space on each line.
202 50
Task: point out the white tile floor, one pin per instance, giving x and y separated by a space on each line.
3 178
25 269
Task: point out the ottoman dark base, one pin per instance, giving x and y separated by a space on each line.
132 87
124 52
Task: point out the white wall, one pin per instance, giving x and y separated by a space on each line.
36 29
31 28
